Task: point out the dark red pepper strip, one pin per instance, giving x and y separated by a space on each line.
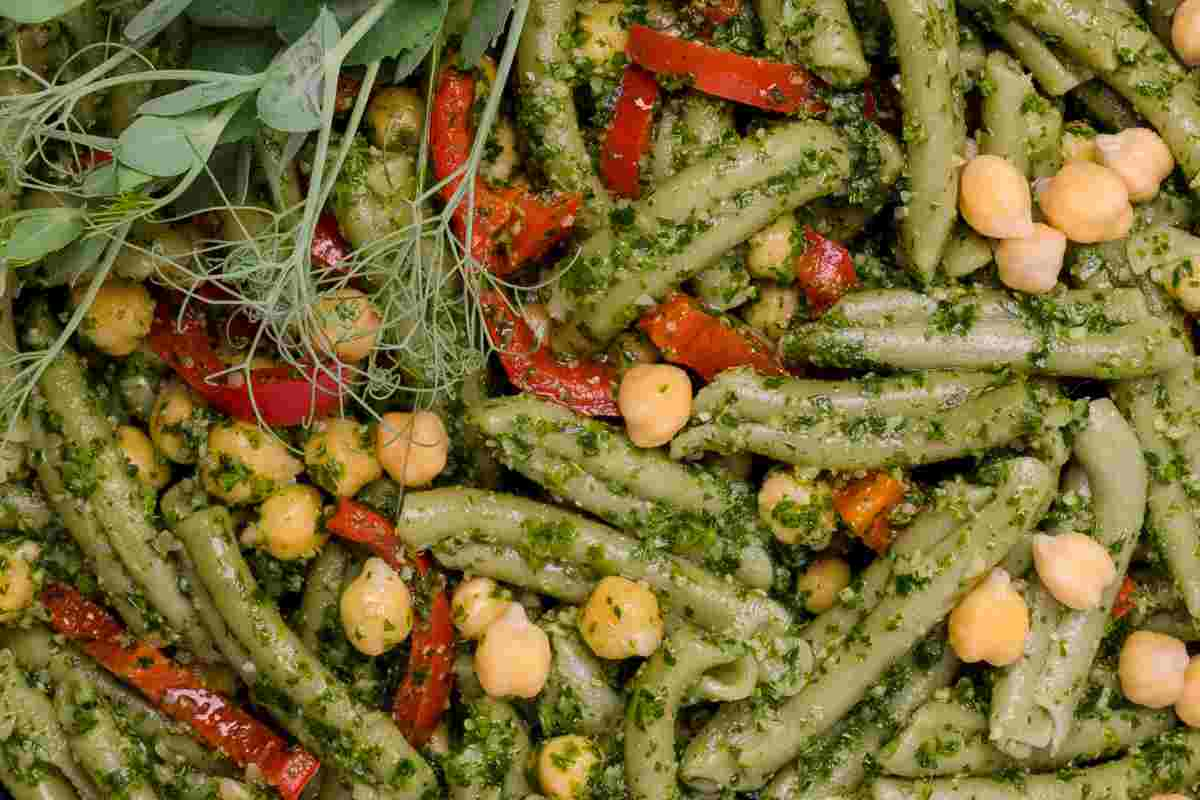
179 692
280 397
1126 599
329 247
542 225
424 694
718 12
583 386
628 136
825 271
768 85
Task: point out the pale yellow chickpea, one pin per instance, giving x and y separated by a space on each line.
798 510
1187 707
1074 568
500 159
774 309
18 582
1152 669
990 624
1032 264
477 603
770 256
178 422
243 464
564 765
1087 202
1140 157
340 456
656 401
120 317
349 323
395 117
513 656
602 34
994 198
376 609
1078 145
821 583
1185 32
413 448
151 467
289 523
621 619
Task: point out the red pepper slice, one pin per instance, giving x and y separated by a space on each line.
628 136
718 12
583 386
425 692
825 271
179 692
1124 602
687 334
768 85
281 398
329 247
864 505
542 225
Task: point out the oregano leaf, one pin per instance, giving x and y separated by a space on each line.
407 26
487 23
290 99
40 232
31 12
198 96
154 18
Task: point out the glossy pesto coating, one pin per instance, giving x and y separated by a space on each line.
22 509
818 34
1053 74
101 747
1017 723
1006 131
578 697
1107 109
562 581
738 750
322 590
966 252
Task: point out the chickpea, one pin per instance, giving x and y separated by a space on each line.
990 624
341 458
656 401
1185 32
1140 157
178 422
500 159
797 510
246 465
412 447
994 198
821 583
476 604
564 765
349 323
603 36
160 250
1078 144
1087 202
1074 568
1187 707
513 656
774 309
289 524
18 581
1152 669
119 318
244 224
1031 265
395 117
621 619
771 251
376 608
152 469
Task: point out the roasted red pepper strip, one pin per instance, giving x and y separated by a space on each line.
1125 601
628 136
687 334
425 691
329 247
718 12
281 398
583 386
825 271
179 692
864 506
542 225
769 85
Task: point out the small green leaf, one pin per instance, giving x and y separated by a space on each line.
40 232
64 266
487 23
112 178
290 99
408 25
408 61
31 12
244 125
168 146
234 53
198 96
154 18
244 14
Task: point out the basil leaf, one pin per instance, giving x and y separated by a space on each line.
244 14
290 99
112 178
198 96
487 22
31 12
154 18
40 232
168 146
408 25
